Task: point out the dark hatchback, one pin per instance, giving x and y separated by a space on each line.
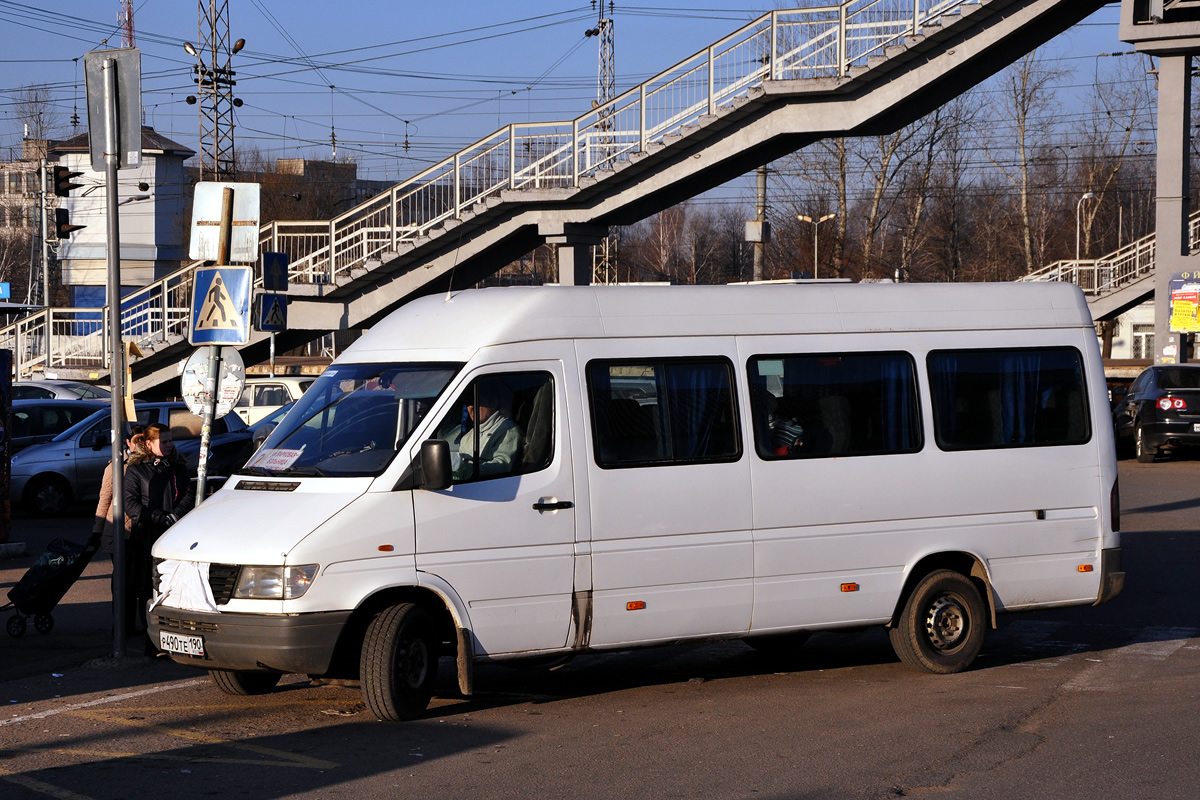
1160 413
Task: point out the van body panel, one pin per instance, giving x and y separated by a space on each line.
680 530
257 527
600 546
512 565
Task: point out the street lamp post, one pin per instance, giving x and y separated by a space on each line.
816 221
1087 196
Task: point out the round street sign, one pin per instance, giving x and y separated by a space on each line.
193 382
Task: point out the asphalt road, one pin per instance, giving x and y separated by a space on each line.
1074 703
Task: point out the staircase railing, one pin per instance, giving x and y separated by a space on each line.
819 42
1118 269
793 44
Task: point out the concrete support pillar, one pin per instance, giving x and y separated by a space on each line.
1172 253
573 243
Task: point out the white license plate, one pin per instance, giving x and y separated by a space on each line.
1196 427
175 643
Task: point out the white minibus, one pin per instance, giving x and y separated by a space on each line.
528 472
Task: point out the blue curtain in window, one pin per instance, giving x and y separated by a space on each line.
1020 377
898 411
696 393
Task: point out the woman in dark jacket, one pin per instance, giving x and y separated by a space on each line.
157 493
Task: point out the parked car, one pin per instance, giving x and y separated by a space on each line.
48 478
36 421
260 430
261 396
1160 413
58 390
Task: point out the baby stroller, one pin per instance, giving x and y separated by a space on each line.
45 583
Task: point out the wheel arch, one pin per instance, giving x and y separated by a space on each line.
47 477
444 609
960 561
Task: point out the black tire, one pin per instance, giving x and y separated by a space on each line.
47 496
1145 455
43 623
244 683
781 644
15 626
943 623
398 663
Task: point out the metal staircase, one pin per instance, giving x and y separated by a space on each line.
1118 281
785 80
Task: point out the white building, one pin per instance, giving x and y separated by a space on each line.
152 200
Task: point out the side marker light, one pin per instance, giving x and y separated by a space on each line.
635 605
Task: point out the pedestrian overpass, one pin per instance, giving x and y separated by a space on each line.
785 80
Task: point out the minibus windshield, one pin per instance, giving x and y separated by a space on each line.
352 421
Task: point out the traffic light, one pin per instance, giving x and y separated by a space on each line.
62 224
62 181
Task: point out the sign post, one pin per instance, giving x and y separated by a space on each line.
221 294
272 308
114 95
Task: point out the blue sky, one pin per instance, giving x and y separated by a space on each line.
439 75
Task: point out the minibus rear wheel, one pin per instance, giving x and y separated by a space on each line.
942 625
244 682
398 663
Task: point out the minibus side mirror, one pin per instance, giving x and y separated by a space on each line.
434 472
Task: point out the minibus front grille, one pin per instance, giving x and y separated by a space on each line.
222 578
185 625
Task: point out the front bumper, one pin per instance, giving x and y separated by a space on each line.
301 643
1112 576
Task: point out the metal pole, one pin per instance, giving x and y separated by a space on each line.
272 354
116 368
761 216
45 245
214 351
815 226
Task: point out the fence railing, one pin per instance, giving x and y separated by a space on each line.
1099 276
790 44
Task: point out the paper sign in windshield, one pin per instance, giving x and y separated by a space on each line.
277 459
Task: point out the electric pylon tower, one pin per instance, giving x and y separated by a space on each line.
604 255
213 77
125 20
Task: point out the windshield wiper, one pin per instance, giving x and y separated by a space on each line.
256 471
305 471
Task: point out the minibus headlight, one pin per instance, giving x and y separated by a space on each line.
274 583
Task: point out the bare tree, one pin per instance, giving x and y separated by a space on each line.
1120 108
34 107
1019 129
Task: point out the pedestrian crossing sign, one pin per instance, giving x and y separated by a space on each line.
271 313
221 305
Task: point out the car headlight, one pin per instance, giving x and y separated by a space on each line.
274 583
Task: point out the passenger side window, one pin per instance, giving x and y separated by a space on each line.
834 405
985 399
653 413
501 425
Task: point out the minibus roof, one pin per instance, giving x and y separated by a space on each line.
452 328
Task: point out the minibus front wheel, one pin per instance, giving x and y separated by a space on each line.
942 625
398 663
